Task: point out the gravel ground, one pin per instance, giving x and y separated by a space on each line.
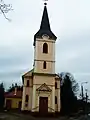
15 116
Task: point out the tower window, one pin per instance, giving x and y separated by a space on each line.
27 83
27 98
45 48
55 85
55 99
44 65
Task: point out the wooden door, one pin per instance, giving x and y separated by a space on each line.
19 105
43 105
8 104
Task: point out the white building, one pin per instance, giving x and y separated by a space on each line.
41 85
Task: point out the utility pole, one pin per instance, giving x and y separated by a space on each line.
86 107
82 95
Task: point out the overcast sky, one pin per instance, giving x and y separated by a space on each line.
70 22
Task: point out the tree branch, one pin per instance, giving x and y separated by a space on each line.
5 8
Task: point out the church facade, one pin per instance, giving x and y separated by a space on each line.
41 85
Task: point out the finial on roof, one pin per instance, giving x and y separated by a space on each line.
45 3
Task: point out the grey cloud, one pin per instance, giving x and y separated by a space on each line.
70 21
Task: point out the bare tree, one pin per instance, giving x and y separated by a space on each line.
5 8
74 84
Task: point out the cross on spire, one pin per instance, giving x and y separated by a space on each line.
45 3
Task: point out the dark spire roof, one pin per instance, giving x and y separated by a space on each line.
44 27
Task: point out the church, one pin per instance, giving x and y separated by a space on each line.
41 85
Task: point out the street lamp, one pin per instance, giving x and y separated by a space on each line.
82 89
84 82
82 94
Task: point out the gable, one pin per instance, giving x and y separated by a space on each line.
44 87
29 73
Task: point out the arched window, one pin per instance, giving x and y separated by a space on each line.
55 85
55 99
44 65
45 48
27 83
27 98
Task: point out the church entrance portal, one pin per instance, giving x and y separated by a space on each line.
43 105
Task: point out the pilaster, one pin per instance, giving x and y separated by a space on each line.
53 98
59 103
34 98
23 99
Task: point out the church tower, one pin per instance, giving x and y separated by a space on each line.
44 47
44 90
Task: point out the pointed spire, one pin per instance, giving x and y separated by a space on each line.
45 25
